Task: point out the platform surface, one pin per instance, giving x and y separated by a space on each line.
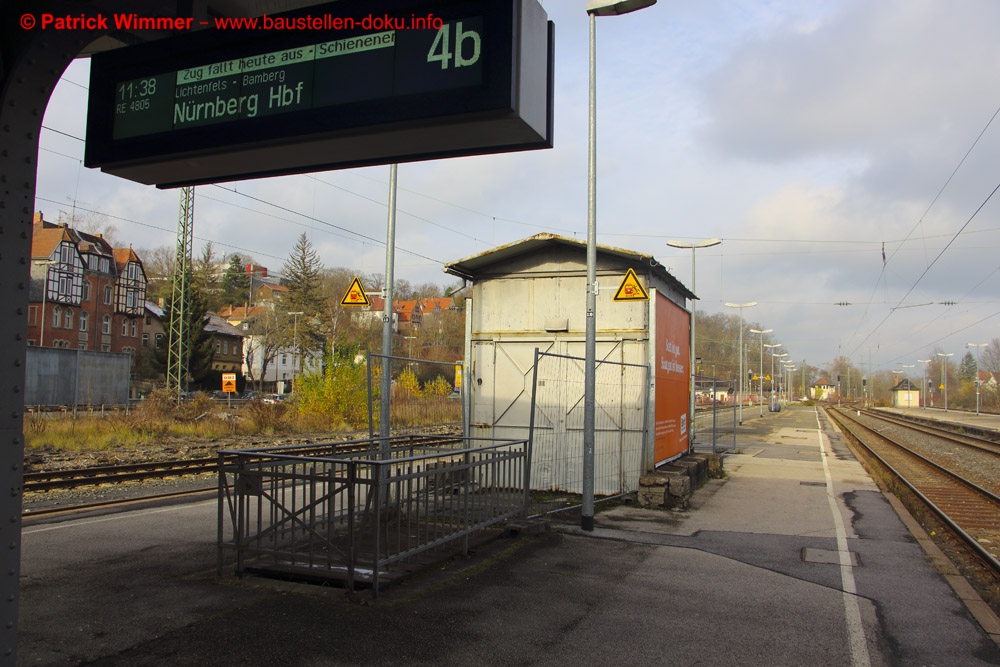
794 558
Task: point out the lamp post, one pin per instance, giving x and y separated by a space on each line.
770 348
45 294
739 391
595 8
790 368
760 368
908 389
923 388
779 356
979 346
708 243
944 375
296 360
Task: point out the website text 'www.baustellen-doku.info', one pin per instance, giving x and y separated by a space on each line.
138 22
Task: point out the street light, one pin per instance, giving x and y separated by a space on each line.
295 342
790 368
770 348
595 8
944 374
923 388
741 306
760 368
694 246
45 293
780 356
908 389
980 346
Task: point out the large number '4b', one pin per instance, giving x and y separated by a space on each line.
441 47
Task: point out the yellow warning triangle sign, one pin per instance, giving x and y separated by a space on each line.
355 295
631 289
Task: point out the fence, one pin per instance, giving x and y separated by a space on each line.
715 418
423 393
56 376
346 511
621 393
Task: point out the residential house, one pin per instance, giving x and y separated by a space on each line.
228 341
268 293
84 294
154 332
823 390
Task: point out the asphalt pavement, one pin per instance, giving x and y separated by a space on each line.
794 558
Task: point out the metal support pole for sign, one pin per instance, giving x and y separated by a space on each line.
386 385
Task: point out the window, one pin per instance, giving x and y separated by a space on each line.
32 316
106 325
145 340
107 295
218 346
225 347
86 290
68 319
124 327
84 320
159 339
135 328
106 266
149 320
284 360
82 345
56 317
105 348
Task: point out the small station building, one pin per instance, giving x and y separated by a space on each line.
905 395
531 294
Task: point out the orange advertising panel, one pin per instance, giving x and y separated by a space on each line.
672 374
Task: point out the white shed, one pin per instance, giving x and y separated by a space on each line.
531 294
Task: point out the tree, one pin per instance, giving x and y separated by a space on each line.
967 369
206 277
303 271
158 264
235 282
200 345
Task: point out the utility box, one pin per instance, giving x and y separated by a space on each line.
532 294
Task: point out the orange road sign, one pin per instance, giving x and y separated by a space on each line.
355 295
631 289
229 383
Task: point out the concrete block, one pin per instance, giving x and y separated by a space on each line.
715 468
680 486
652 490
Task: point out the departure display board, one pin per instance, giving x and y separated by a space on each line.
422 80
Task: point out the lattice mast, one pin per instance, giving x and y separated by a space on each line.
178 352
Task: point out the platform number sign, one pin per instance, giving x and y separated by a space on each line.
441 51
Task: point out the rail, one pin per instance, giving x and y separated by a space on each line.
969 510
363 516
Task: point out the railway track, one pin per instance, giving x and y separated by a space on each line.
76 477
72 478
941 470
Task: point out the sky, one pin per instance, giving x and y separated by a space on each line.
845 151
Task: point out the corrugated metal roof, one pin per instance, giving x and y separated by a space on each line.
474 265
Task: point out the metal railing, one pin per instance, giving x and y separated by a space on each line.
345 511
715 419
